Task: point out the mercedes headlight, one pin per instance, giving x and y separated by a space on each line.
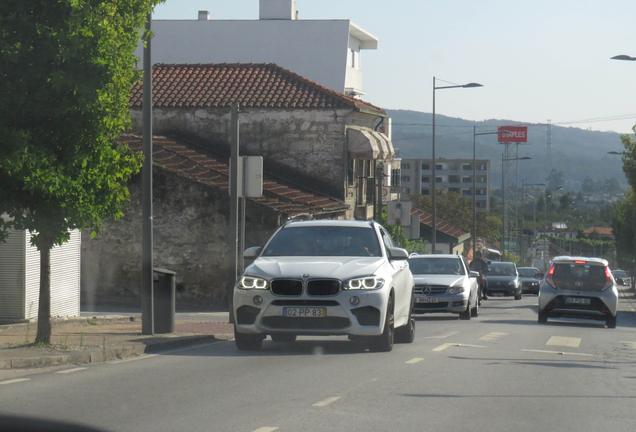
250 282
456 289
364 283
513 283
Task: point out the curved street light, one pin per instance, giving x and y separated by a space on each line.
624 57
434 186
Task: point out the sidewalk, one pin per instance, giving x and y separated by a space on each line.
92 340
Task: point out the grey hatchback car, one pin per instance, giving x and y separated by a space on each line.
579 287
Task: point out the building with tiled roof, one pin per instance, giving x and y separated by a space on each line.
450 239
307 134
600 231
191 223
325 51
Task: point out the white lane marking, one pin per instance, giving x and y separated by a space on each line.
71 370
564 341
266 429
493 336
414 360
14 381
327 401
559 352
442 336
446 345
629 344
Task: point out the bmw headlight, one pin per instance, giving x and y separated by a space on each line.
250 282
364 283
513 283
456 289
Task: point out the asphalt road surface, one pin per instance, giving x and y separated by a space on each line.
499 372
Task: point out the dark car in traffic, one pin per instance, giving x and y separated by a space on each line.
503 280
530 279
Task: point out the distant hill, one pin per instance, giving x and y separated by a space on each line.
578 153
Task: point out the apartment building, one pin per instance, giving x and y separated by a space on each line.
454 175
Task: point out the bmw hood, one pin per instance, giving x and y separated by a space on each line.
449 280
316 267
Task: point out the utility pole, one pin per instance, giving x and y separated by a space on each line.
233 243
147 297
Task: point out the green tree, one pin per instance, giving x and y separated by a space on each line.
566 202
67 67
555 179
624 217
624 227
588 185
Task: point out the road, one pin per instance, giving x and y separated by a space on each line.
499 372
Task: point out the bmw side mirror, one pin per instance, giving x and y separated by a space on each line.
397 254
252 252
473 274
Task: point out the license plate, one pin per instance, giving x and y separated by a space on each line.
313 312
577 300
426 300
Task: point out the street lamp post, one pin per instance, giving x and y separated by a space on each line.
545 227
523 185
434 188
474 234
503 199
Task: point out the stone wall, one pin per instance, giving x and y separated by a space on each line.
190 237
305 146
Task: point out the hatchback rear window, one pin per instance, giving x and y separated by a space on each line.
579 276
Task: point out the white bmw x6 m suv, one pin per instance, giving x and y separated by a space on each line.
326 277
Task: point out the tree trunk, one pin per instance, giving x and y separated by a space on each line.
44 307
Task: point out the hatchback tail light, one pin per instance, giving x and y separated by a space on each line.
549 279
608 279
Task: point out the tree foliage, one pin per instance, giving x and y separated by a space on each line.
556 179
66 70
624 220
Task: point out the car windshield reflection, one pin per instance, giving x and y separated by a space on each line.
439 266
502 270
324 241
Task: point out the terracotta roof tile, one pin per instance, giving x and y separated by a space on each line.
606 231
442 225
176 156
265 85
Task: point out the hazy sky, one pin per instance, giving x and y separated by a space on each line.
537 59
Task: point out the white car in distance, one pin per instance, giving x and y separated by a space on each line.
326 277
444 283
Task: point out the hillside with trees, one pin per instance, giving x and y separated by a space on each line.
579 154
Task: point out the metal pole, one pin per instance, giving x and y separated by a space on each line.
434 191
234 204
521 251
503 201
474 192
545 223
147 298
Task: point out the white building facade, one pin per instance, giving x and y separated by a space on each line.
325 51
454 175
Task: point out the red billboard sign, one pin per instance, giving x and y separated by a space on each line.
513 134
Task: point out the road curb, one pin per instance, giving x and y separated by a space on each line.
56 322
105 353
